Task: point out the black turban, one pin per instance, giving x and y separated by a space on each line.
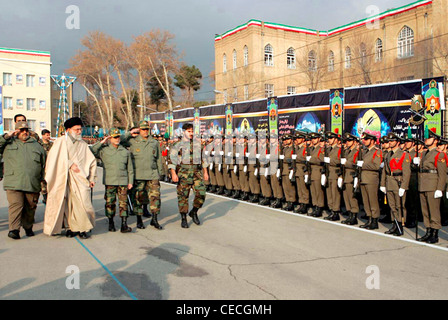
70 123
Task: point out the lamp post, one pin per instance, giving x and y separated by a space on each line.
223 93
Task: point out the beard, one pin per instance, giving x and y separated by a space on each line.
77 137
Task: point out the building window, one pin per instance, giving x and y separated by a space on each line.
268 90
406 43
331 62
378 50
246 56
291 90
348 58
19 103
363 54
291 58
42 105
7 101
31 104
55 103
8 124
235 94
7 79
268 56
29 80
234 59
246 92
312 61
32 124
224 63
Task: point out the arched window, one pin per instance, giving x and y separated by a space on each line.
224 63
378 50
363 54
348 58
234 59
331 61
246 56
291 58
406 43
312 66
268 56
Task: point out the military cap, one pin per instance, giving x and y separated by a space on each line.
331 135
384 139
315 135
350 137
393 137
368 136
443 142
70 123
114 132
300 135
251 136
143 124
432 134
22 125
287 136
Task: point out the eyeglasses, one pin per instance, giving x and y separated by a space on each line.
144 129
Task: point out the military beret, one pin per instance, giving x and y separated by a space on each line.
368 136
22 125
143 125
114 132
70 123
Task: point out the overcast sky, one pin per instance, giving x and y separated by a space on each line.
41 24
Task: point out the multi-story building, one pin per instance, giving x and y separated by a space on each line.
26 86
261 59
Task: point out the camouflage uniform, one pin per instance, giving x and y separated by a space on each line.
111 195
47 147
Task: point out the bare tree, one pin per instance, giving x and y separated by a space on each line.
312 62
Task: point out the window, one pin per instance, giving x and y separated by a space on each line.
19 103
348 58
234 59
55 103
32 124
291 90
31 104
7 79
406 43
246 92
291 58
363 54
246 56
7 101
42 104
235 94
8 124
331 62
29 80
379 50
312 61
268 56
224 63
268 90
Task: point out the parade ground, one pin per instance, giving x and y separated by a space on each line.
240 252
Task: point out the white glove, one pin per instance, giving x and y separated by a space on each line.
245 169
383 190
229 154
327 160
308 158
360 163
401 192
355 182
213 153
447 194
294 157
266 172
247 154
278 173
416 161
257 156
382 165
237 155
340 182
256 172
268 157
206 153
282 157
211 166
221 153
343 161
291 172
323 180
306 178
438 194
219 167
235 169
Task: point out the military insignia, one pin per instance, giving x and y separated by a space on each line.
417 109
137 150
443 160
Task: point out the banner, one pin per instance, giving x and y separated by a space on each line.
433 100
197 122
180 118
250 117
212 120
157 123
2 129
169 124
273 115
229 119
337 109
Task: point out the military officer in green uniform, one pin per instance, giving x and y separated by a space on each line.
253 168
333 161
300 154
287 172
118 176
316 161
348 167
265 178
186 168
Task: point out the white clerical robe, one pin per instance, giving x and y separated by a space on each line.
68 200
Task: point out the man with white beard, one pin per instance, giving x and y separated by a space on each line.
70 176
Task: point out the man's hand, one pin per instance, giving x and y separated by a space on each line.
75 168
136 130
92 184
105 140
174 176
206 177
129 186
13 133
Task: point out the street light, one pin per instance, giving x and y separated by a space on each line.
144 107
220 92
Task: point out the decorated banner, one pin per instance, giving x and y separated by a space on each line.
380 109
229 119
157 122
434 102
169 124
212 120
336 108
273 115
2 129
197 121
250 117
180 118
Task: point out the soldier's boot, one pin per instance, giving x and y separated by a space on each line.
14 234
399 231
184 223
298 208
426 236
29 232
155 223
335 217
392 230
237 195
146 212
255 198
310 214
289 206
208 187
304 209
228 193
111 225
374 224
245 196
220 191
367 224
330 216
350 216
354 220
140 224
213 189
44 198
276 204
318 212
434 236
194 215
124 225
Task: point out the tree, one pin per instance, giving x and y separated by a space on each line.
188 79
313 63
156 92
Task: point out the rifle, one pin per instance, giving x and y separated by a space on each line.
343 151
308 164
326 169
294 167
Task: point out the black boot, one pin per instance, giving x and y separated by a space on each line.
237 195
245 196
29 232
208 187
399 231
111 225
255 198
426 236
434 237
374 224
276 204
298 208
140 224
124 225
227 193
264 201
155 223
317 213
146 213
367 224
220 191
184 222
335 216
84 235
213 189
14 234
304 209
392 230
289 206
330 216
310 214
354 220
350 216
194 215
70 234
